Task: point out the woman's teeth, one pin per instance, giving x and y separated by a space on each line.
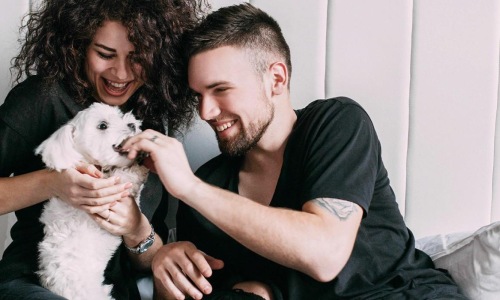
116 85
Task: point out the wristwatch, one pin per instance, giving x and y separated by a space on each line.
144 245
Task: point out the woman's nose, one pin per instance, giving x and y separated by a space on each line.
121 69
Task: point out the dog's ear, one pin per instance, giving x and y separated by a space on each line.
130 118
58 151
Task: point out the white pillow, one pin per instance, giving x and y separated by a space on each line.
473 260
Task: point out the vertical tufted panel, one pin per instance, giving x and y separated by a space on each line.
368 59
453 108
304 26
495 208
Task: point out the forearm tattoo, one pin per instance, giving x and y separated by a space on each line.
340 208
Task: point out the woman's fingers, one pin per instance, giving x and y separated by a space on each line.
89 170
99 209
114 190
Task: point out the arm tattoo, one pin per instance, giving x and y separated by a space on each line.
340 208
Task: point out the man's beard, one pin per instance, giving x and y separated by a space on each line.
247 138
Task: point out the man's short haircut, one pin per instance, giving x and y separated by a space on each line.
242 26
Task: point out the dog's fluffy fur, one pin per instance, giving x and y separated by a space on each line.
75 250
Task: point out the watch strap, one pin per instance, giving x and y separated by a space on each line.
144 245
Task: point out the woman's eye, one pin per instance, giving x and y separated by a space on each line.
104 56
102 126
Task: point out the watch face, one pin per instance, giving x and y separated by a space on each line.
146 245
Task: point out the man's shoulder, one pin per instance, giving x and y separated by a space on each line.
331 103
339 108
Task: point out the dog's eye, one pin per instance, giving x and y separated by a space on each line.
102 126
131 126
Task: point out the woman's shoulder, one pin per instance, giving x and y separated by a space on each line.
35 95
34 89
37 106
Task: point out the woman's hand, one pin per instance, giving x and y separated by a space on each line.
124 218
180 270
85 188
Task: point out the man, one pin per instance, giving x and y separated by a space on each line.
298 205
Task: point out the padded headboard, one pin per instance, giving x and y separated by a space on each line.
426 71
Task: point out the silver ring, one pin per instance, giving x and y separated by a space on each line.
153 139
109 215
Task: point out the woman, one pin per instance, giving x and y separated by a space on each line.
76 52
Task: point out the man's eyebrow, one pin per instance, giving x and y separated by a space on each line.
212 85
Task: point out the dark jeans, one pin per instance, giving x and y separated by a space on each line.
25 289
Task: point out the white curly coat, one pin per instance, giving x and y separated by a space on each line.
75 250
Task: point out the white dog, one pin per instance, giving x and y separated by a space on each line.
75 250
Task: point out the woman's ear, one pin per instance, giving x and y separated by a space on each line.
279 73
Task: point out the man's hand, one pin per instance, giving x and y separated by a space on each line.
167 158
181 270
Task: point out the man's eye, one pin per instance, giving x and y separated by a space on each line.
220 90
102 126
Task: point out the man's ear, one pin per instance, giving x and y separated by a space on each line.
279 73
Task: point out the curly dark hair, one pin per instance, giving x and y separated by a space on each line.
57 34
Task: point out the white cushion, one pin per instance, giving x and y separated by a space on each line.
473 260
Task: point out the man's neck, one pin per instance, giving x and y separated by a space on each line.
270 148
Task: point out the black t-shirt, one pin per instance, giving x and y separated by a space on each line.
333 151
32 111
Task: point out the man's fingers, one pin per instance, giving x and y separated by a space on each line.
205 263
165 288
181 282
215 264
